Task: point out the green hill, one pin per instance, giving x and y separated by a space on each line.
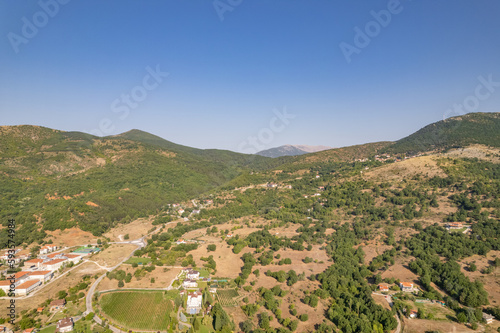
472 128
48 177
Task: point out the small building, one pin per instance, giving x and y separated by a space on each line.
39 310
180 241
413 314
64 325
193 275
30 330
27 287
454 225
57 305
272 185
196 211
47 249
188 283
194 302
488 318
406 286
383 287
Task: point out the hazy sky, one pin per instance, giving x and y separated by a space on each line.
212 74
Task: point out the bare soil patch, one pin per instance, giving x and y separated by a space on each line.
71 237
135 229
422 165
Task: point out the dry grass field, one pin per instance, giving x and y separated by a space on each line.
424 325
490 281
135 229
422 165
113 255
163 277
400 271
71 237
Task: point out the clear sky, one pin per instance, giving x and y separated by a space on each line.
211 74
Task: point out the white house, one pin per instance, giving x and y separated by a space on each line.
193 275
406 286
47 249
188 283
43 276
194 302
27 287
65 325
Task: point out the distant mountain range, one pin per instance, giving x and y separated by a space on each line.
291 150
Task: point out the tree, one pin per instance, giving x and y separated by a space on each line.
304 317
472 267
121 284
211 247
247 326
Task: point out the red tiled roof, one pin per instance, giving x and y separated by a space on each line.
27 284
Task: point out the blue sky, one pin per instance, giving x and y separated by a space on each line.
234 64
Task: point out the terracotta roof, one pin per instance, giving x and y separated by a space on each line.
58 302
19 275
34 261
55 261
71 256
407 284
40 272
5 283
65 322
27 284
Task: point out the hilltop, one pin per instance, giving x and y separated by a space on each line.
291 150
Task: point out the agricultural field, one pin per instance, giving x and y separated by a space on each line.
227 297
139 310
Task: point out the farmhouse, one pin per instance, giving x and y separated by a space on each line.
413 314
383 287
27 287
406 286
487 318
454 225
193 275
188 283
43 276
54 264
180 241
194 303
64 325
58 304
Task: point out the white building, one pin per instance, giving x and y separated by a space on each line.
27 287
43 276
193 275
74 258
47 249
188 283
54 264
65 325
194 302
